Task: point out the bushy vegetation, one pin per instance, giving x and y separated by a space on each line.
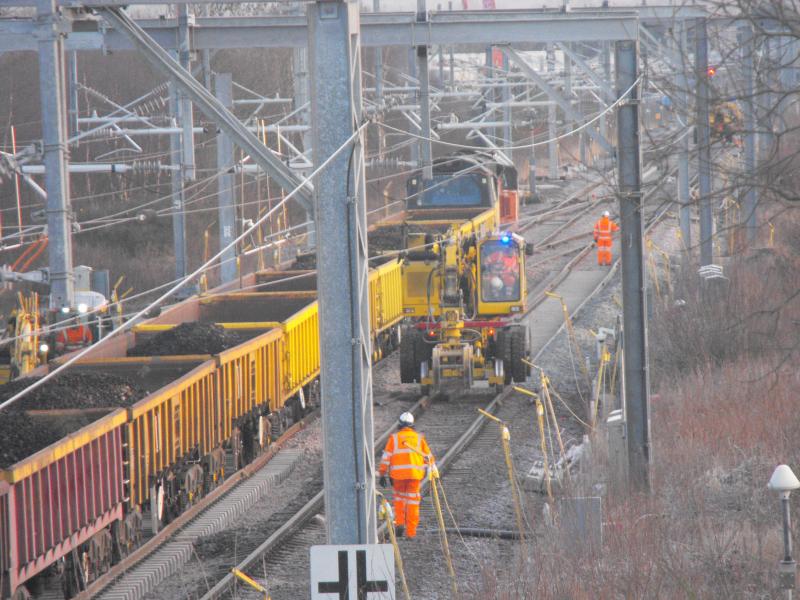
725 414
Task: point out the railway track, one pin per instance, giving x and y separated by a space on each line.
159 556
450 427
165 563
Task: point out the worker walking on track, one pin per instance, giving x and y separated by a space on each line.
406 459
603 237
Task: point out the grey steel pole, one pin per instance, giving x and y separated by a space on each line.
532 159
54 150
176 181
72 74
751 195
425 147
452 54
607 75
634 299
300 85
684 200
301 91
787 529
376 7
767 102
788 567
552 132
342 278
505 95
492 92
440 52
703 144
223 88
186 111
414 153
205 60
568 85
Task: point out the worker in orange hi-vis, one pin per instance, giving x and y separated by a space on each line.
406 459
603 237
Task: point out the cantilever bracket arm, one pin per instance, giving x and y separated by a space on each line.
555 96
605 87
209 105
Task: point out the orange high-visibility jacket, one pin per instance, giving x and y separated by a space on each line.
77 335
405 455
603 230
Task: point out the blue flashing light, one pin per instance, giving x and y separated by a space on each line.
505 238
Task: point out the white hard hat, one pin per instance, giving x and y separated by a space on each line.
606 213
497 283
406 419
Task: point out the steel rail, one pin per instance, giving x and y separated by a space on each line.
207 501
316 504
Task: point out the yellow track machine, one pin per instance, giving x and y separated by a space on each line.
463 282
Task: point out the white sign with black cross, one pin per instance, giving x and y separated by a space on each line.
352 572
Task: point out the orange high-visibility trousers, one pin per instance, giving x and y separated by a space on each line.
603 254
406 504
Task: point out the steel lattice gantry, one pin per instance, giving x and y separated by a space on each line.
333 31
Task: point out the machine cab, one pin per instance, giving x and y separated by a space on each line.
501 274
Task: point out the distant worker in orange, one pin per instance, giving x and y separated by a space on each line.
406 459
603 237
73 337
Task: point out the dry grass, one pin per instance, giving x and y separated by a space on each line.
726 414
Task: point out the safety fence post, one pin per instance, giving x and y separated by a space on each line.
505 437
434 480
385 512
571 332
251 582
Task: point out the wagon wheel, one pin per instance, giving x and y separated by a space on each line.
21 593
121 541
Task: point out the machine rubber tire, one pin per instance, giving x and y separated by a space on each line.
519 351
423 349
409 365
504 352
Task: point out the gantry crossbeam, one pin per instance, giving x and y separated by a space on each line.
466 30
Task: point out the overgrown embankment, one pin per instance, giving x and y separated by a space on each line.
724 413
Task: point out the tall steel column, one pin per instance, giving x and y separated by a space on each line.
412 71
301 90
54 151
72 91
340 204
751 195
682 105
505 96
634 298
300 85
607 76
376 7
552 131
186 111
223 88
425 147
452 54
703 144
440 52
766 100
177 190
